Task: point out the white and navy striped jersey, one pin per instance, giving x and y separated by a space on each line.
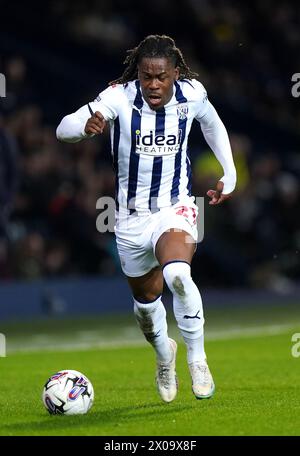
150 148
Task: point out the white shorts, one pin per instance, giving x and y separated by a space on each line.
137 234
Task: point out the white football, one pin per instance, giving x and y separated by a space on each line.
68 392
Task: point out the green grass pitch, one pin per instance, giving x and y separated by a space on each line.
257 379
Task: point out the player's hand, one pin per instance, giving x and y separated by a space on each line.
217 196
95 124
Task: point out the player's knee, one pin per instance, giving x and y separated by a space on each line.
177 276
147 297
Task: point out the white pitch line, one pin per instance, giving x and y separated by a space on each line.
92 339
252 331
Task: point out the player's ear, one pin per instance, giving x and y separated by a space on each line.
177 73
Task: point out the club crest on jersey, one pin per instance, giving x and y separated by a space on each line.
182 111
157 144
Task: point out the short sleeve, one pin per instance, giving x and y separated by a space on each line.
202 103
109 101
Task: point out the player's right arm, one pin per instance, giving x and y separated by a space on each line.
89 120
95 124
80 124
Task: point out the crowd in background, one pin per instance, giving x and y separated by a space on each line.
245 55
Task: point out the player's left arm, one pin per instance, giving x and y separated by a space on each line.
217 138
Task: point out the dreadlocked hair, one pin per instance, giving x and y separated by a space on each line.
154 46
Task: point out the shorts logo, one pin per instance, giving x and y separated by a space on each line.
189 213
182 111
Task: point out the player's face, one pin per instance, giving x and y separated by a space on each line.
157 76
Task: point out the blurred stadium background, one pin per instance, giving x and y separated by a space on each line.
58 55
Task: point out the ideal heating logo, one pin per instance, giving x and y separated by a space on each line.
157 145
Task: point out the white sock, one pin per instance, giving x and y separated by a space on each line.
151 318
195 349
188 309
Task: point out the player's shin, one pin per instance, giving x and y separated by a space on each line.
188 309
151 318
